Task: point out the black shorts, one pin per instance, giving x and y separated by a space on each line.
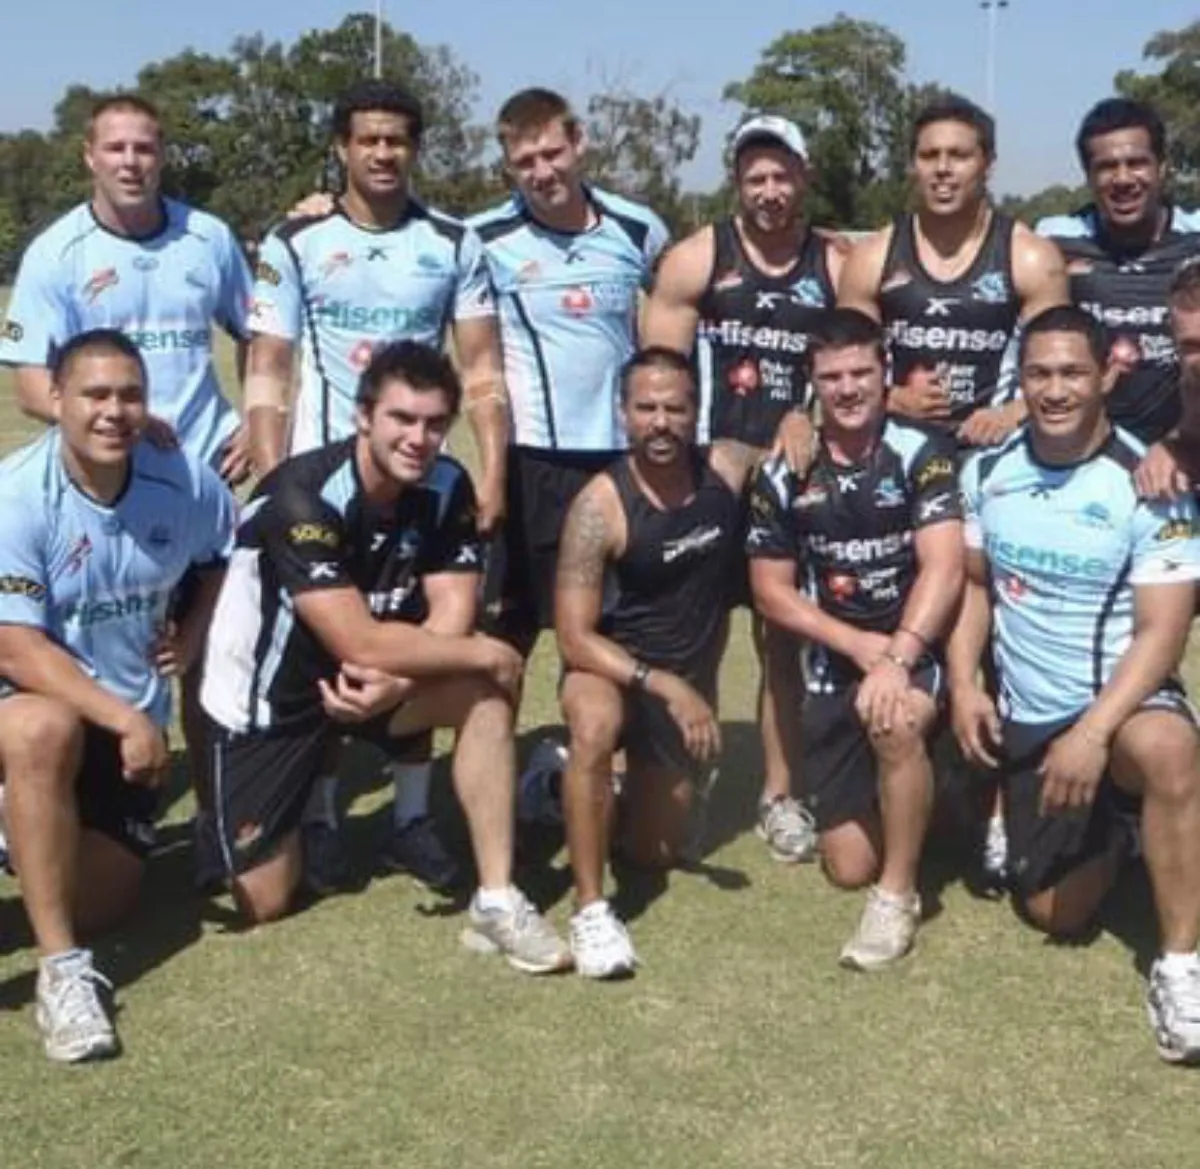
262 780
839 772
1043 850
518 598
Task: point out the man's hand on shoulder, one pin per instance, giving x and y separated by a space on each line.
1161 475
924 397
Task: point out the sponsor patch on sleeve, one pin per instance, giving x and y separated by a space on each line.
313 533
266 273
12 331
22 586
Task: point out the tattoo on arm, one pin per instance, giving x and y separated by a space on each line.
584 545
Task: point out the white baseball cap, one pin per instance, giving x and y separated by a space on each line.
771 128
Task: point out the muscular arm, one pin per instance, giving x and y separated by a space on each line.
734 462
935 594
858 286
672 312
268 384
477 345
451 597
1039 273
972 627
33 392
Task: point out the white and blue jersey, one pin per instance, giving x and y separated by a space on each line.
164 291
1066 547
97 578
568 304
340 290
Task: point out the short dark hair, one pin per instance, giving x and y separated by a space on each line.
531 109
656 357
95 341
845 328
1184 289
1067 318
953 107
1120 113
420 367
374 96
122 102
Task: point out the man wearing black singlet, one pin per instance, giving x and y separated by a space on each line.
743 294
952 281
644 561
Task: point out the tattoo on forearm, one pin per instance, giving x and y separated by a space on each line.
584 545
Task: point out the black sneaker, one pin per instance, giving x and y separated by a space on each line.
326 863
417 849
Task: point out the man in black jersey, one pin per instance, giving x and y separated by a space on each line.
646 553
743 293
951 282
875 530
316 634
1121 252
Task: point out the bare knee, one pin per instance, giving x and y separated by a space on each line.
849 862
260 902
1058 917
594 731
45 741
899 745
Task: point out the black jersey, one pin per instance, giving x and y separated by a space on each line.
752 337
309 526
850 528
961 328
1127 291
667 591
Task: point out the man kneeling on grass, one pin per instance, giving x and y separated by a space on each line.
313 636
875 535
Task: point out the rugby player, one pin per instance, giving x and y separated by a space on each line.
1122 251
647 550
874 531
1088 595
313 635
743 294
372 267
98 530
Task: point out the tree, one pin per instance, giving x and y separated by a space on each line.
843 83
1058 199
1174 89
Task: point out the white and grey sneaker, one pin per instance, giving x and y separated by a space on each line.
788 828
885 932
73 1022
600 943
1173 1004
518 932
995 853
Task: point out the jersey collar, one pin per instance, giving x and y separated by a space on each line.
589 197
413 209
164 221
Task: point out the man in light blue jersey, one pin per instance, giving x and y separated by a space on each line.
372 267
1088 593
98 530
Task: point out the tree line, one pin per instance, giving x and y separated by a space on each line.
248 131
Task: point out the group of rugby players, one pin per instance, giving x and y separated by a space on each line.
785 421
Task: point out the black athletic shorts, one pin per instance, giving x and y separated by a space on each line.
1043 850
840 775
518 598
262 780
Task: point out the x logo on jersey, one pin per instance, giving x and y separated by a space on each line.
376 253
848 483
768 300
322 570
1040 491
940 306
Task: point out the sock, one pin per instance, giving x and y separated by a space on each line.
322 803
411 801
65 957
496 898
1176 965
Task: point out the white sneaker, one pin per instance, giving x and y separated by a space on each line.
788 828
73 1021
995 853
600 943
518 932
1173 1004
885 932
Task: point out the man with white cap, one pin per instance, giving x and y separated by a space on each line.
744 293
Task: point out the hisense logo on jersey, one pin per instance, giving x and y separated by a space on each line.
96 612
168 339
736 334
1010 557
944 339
361 318
1140 315
861 551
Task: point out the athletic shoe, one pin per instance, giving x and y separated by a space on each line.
539 791
518 932
885 933
600 944
1173 1004
326 863
788 828
70 1015
415 848
995 854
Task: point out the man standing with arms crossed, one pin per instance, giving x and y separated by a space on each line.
743 294
374 266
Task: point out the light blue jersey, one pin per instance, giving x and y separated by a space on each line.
340 290
1066 547
97 579
568 307
164 291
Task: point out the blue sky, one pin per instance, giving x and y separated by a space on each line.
1052 60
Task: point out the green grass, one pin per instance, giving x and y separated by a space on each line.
359 1034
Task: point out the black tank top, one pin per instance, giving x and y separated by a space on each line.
667 591
753 332
960 327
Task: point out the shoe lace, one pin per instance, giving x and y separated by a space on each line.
592 928
790 819
75 999
1184 992
883 917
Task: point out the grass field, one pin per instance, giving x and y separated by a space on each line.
358 1033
